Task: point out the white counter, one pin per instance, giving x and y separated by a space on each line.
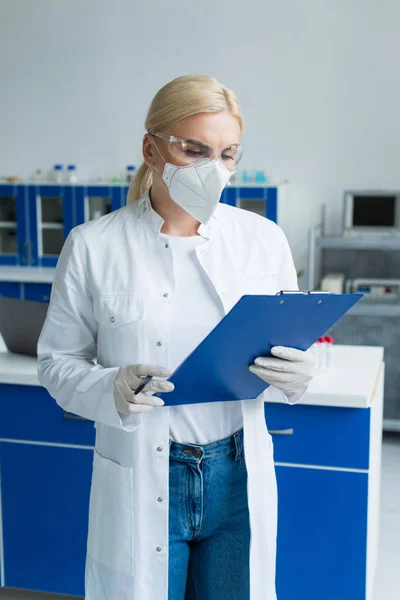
27 274
352 386
18 369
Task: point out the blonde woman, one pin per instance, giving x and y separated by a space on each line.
177 493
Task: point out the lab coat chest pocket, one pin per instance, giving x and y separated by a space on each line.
120 319
111 516
260 283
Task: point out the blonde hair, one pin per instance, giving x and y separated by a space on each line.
181 98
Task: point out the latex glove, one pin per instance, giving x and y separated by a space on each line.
129 378
288 370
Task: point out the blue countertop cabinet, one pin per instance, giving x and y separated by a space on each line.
46 458
45 508
327 463
322 534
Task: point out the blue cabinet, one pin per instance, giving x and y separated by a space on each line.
41 420
45 500
13 230
46 458
50 218
322 533
10 289
327 523
36 219
39 292
322 435
94 201
258 199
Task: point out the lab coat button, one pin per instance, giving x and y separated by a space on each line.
165 295
159 499
159 449
167 246
158 549
159 344
112 319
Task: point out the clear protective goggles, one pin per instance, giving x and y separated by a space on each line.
189 152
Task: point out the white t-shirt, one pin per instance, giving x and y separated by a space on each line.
196 311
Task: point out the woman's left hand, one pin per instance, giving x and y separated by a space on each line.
288 370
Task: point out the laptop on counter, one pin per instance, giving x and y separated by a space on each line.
21 322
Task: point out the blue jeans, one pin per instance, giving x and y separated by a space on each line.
209 527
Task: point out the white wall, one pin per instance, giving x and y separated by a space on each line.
318 81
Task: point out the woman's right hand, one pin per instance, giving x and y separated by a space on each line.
129 378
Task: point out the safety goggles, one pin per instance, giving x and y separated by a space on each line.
188 152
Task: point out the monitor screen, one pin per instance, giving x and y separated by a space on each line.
374 211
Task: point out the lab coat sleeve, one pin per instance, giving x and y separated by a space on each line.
67 345
287 277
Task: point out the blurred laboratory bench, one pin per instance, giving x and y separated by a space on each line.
327 451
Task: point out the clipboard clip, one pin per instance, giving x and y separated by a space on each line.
283 292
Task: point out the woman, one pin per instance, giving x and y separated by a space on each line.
176 492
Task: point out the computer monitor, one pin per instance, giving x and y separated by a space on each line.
371 212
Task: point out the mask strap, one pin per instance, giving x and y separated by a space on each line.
158 150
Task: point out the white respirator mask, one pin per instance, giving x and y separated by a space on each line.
196 188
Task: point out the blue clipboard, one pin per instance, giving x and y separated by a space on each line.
218 369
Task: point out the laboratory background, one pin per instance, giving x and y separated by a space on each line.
319 86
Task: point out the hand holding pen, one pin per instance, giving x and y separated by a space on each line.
135 385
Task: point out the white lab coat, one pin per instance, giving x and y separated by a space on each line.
109 303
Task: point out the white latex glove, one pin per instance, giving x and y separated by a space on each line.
288 370
129 378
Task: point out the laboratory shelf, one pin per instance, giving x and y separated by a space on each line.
371 321
340 242
8 224
376 309
51 226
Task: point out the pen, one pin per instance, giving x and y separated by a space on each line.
143 384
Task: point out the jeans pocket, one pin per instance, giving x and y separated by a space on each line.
239 453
